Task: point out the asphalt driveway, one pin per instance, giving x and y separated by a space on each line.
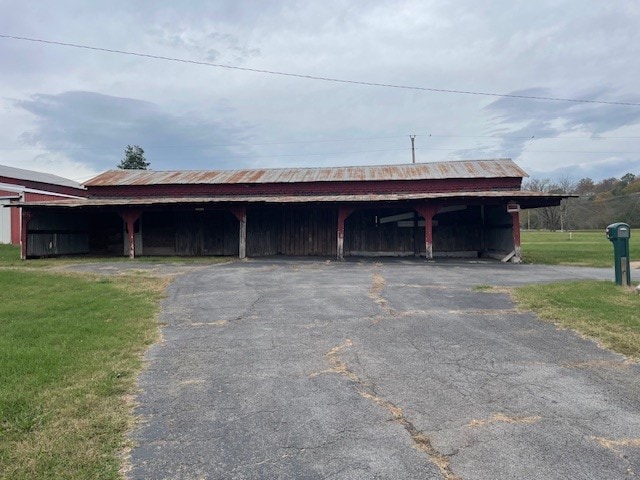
389 370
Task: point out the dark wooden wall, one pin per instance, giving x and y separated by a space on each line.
364 234
57 233
189 233
106 235
292 230
272 230
459 231
453 232
498 229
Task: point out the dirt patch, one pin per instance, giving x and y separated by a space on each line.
376 289
614 444
635 264
502 418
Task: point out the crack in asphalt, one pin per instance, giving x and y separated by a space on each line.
366 390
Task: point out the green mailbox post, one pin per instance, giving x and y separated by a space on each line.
619 234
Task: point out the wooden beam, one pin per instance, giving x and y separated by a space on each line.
130 217
517 257
241 214
343 213
427 211
395 218
25 218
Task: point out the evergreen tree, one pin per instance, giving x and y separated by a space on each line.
133 159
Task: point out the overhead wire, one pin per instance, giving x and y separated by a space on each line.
312 77
315 77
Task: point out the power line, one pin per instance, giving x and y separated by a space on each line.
161 147
314 77
352 139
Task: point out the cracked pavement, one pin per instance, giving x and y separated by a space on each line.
395 369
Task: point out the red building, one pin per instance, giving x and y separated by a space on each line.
19 185
457 209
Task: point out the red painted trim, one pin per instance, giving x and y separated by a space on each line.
311 188
7 193
130 217
428 211
240 212
42 197
16 224
343 213
516 229
48 187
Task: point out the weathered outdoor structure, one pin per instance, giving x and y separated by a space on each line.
457 209
19 185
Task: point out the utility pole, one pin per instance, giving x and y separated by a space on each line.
413 148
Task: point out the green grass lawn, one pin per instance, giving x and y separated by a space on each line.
598 309
585 248
10 257
70 348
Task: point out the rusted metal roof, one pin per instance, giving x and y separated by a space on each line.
497 168
148 201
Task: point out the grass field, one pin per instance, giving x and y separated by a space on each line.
10 257
70 348
600 310
584 248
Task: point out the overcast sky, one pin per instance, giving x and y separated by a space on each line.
72 111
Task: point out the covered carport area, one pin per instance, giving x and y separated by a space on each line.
431 225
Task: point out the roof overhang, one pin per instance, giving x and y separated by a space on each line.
522 198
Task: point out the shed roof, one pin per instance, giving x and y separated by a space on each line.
496 168
30 175
512 195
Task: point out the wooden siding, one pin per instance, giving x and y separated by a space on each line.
499 229
188 233
459 230
106 235
365 234
288 230
454 232
293 230
57 234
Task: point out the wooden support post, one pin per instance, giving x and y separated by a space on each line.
517 257
343 213
25 218
130 217
427 212
241 214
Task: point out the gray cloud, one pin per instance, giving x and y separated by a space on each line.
95 128
518 121
497 46
596 118
595 170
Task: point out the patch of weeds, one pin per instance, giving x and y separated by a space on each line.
482 288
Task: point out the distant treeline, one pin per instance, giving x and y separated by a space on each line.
598 205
